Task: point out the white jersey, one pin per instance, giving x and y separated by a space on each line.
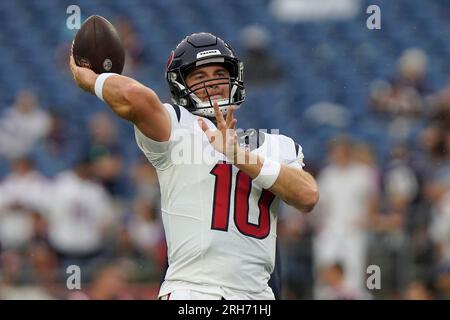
26 192
220 228
79 214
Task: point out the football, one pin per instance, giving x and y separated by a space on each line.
97 46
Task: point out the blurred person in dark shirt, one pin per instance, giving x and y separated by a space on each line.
134 49
261 67
417 290
403 94
439 107
104 151
390 246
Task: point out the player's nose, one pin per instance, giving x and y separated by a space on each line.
214 89
214 83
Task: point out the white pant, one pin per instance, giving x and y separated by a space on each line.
182 290
188 294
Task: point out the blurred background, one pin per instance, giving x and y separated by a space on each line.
371 109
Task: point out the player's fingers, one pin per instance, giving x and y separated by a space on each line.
206 130
233 124
71 62
72 67
203 125
230 116
218 114
209 133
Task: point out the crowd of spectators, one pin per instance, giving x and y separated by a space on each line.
392 213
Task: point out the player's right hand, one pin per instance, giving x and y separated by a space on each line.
83 77
224 139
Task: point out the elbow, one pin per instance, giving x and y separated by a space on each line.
309 200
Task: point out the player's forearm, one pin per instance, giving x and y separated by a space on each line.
296 187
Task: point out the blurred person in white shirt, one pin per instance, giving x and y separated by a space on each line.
80 216
22 125
347 188
23 191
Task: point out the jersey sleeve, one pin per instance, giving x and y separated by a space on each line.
158 153
291 152
299 157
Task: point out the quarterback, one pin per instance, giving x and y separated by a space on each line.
219 216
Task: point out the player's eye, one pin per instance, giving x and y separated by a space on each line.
198 77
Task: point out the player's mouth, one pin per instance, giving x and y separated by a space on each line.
212 97
216 97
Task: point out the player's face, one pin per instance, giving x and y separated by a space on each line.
341 154
217 87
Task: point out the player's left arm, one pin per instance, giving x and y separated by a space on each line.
295 186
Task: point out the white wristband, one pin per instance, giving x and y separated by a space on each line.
98 88
268 174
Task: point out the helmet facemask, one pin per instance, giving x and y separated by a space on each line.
205 107
187 97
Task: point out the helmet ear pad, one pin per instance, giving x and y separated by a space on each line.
203 49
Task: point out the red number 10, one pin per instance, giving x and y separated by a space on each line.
222 198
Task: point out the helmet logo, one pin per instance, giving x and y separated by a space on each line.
169 61
208 53
172 76
107 64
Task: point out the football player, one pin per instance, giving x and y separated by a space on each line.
219 216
